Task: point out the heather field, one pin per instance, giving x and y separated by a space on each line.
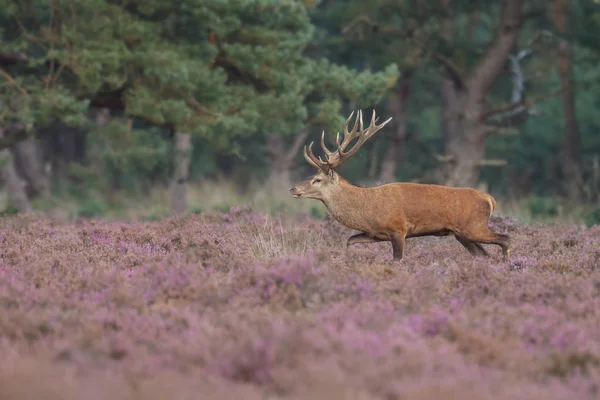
244 305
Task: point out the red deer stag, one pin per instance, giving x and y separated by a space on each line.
400 210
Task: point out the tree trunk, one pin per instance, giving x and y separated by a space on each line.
467 145
279 174
61 144
451 103
102 117
182 158
29 165
452 125
282 161
571 150
13 184
397 110
464 102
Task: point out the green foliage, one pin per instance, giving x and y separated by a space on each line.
318 212
155 216
593 217
218 69
227 71
234 73
367 34
541 207
9 210
124 155
92 207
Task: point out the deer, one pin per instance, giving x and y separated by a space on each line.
393 212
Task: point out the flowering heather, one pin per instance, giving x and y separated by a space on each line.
244 305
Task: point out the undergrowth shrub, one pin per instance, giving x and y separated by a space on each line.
541 207
593 217
92 207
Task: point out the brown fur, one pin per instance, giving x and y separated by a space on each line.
396 211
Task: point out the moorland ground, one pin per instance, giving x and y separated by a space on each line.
241 304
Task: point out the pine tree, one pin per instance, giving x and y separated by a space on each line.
216 69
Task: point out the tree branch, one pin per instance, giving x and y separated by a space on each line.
517 112
200 108
484 163
16 57
534 99
361 19
375 27
296 145
453 70
493 163
12 82
508 107
501 130
488 68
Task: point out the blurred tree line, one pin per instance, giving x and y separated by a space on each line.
98 96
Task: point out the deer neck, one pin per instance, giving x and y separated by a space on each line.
345 204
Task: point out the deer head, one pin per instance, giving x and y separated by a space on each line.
324 183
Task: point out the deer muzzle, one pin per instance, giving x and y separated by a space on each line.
295 193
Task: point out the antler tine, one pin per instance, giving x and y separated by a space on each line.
346 133
349 136
328 153
361 120
373 128
312 160
335 158
363 135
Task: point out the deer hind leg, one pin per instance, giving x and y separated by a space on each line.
473 247
362 238
484 235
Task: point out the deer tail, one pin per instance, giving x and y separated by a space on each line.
492 203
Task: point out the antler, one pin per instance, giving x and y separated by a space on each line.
337 158
313 160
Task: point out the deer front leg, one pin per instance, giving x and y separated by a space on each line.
361 238
398 240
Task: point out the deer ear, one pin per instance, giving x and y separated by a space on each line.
330 172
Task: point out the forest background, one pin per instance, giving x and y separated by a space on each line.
138 109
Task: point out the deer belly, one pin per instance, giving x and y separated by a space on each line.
381 236
429 230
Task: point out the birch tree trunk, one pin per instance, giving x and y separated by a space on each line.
13 184
28 161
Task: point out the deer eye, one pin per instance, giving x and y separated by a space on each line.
317 180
